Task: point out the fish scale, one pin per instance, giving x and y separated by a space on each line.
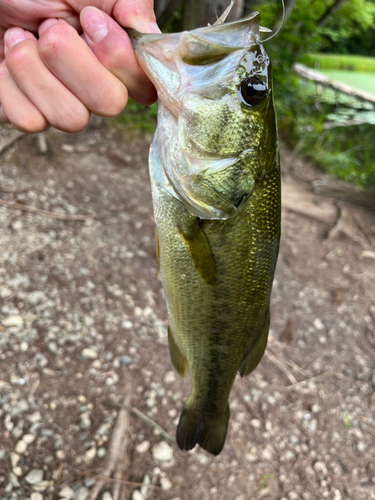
215 181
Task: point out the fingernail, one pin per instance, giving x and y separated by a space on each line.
12 37
45 25
140 24
154 28
94 24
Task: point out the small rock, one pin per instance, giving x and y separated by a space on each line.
107 496
34 476
127 325
90 454
321 467
267 453
126 360
21 447
89 353
102 452
17 471
318 324
14 458
162 451
14 320
169 377
202 459
81 493
165 483
36 496
84 421
66 492
137 495
143 447
257 424
28 438
145 486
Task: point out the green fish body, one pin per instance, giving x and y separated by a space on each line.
215 180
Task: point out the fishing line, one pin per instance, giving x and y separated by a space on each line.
281 25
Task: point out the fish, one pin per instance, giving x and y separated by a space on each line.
215 179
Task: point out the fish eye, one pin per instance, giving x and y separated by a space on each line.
253 90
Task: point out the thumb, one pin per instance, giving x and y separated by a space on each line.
112 47
136 14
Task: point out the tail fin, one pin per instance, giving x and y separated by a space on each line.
195 428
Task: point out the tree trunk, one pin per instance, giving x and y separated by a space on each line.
330 11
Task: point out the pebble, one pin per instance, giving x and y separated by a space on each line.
28 438
14 458
89 353
318 324
143 447
36 496
17 471
14 320
101 453
137 495
81 493
162 451
165 483
321 467
21 447
66 492
34 476
107 496
257 424
169 377
84 421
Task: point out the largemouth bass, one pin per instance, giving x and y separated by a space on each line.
215 179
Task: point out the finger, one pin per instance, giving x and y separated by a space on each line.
56 103
98 89
138 15
112 47
16 108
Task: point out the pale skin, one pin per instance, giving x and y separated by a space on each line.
60 60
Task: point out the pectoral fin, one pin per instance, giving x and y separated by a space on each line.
177 358
200 251
251 360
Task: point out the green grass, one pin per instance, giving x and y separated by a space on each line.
358 80
340 62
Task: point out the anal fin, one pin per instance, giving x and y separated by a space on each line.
200 250
177 358
251 360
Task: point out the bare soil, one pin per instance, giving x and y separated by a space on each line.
93 330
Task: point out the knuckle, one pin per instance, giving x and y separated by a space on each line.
74 121
32 123
53 40
114 102
19 56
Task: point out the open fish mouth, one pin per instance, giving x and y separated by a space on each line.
199 76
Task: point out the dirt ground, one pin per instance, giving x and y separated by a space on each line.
84 326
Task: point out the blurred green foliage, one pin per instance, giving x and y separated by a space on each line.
303 112
136 117
342 62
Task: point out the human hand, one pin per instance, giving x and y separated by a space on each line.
58 78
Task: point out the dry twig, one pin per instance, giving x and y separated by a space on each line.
7 143
146 419
117 443
45 213
280 365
